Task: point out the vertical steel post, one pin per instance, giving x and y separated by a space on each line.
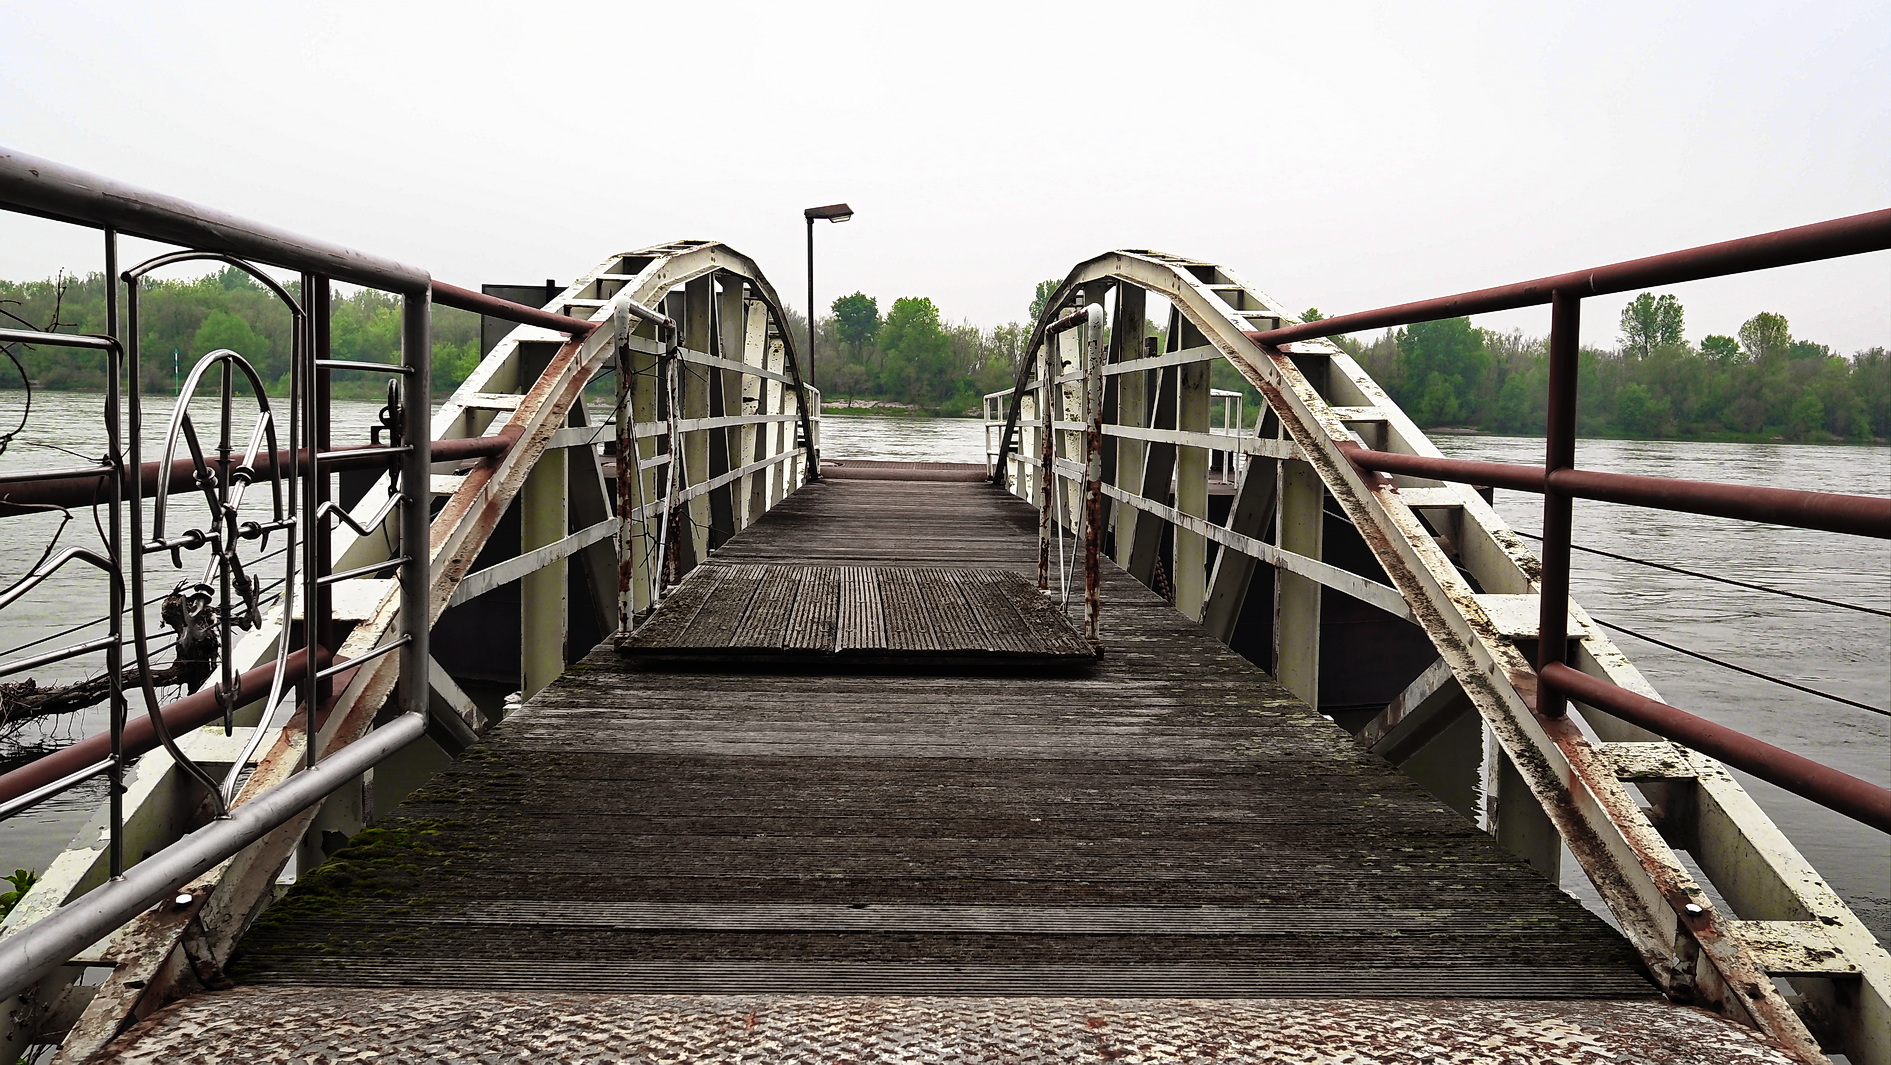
115 654
1189 554
1093 473
1559 453
1047 459
1300 528
543 593
811 380
415 514
308 521
226 523
315 303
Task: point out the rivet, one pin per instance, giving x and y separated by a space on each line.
184 900
1694 909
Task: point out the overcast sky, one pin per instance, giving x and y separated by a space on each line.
1338 155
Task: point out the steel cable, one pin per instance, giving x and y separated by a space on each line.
1703 656
1742 669
1722 580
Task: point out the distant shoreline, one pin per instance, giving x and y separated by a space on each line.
893 409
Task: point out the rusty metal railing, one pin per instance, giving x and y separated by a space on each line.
1560 482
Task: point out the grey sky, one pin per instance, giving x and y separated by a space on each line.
1339 155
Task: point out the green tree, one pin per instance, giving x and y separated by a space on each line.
1721 348
1045 290
1648 321
1312 314
1871 380
1639 410
856 319
221 329
1446 367
1765 337
918 352
1806 418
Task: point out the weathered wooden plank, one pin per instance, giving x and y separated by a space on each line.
754 612
763 624
862 621
1172 822
816 616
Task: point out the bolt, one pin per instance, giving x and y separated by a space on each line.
184 900
1694 909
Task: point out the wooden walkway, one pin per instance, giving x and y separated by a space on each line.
1171 823
832 617
1166 858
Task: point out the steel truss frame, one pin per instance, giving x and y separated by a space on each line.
516 432
1553 785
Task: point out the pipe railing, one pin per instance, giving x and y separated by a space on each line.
30 185
1560 482
198 708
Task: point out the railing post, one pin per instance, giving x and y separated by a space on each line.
1093 473
543 618
1190 572
415 513
1559 452
1047 457
1297 598
1132 408
321 618
778 398
754 493
692 535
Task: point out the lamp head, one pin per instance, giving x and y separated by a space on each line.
833 212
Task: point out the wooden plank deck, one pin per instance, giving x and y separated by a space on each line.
1173 823
839 616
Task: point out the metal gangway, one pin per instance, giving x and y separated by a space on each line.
711 431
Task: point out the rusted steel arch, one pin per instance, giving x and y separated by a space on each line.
513 411
1695 949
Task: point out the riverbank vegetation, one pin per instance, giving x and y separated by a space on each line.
180 321
1761 384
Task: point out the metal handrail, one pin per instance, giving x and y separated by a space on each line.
1851 235
31 185
1560 482
40 187
1824 511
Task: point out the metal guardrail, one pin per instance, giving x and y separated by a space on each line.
734 393
1559 482
223 595
1745 914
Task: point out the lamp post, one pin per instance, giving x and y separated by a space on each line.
833 212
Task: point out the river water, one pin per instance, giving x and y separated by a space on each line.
1841 651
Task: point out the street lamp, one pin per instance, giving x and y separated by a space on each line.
833 212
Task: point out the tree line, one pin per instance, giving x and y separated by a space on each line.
1762 384
180 321
911 356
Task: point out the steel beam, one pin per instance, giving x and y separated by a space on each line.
1300 524
1191 489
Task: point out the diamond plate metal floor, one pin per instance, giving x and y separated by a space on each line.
318 1026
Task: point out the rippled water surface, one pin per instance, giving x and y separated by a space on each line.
1837 650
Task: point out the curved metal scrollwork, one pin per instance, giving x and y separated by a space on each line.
209 608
